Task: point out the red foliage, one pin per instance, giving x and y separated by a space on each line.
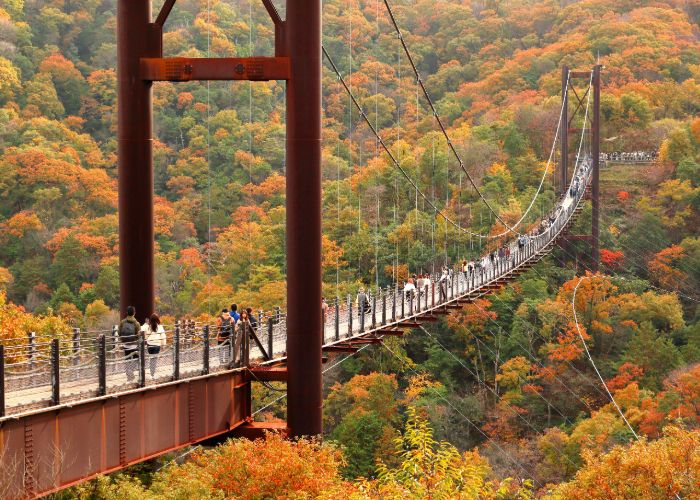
627 373
622 196
611 259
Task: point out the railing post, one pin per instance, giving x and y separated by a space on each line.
393 303
31 338
374 311
205 350
349 316
55 374
176 351
432 289
337 318
361 311
403 305
142 361
384 294
76 345
2 380
270 338
245 344
278 314
101 365
115 337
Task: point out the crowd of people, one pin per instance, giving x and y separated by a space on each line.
632 157
231 327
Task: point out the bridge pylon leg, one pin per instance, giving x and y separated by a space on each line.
595 180
137 38
304 330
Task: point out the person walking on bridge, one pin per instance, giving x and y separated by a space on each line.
128 336
225 325
154 334
363 306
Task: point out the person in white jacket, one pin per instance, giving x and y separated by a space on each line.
154 334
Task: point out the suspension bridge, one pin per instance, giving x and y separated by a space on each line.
72 409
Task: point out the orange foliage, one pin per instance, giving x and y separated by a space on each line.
568 346
661 267
472 317
163 216
20 224
266 468
184 99
626 374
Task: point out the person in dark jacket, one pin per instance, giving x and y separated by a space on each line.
251 318
128 336
225 325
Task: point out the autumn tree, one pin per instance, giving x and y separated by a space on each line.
667 467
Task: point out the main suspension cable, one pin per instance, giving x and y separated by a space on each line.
381 141
509 229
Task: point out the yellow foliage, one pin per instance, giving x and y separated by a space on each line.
666 468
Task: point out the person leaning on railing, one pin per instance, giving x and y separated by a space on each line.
243 327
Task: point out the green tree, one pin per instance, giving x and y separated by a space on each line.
654 353
71 265
41 93
107 286
62 295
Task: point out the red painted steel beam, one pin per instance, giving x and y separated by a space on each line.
595 180
336 348
397 333
302 32
564 166
165 12
365 341
409 324
46 451
429 318
184 69
267 374
136 38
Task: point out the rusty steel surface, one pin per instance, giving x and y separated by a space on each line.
302 30
564 131
44 452
136 38
595 182
183 69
